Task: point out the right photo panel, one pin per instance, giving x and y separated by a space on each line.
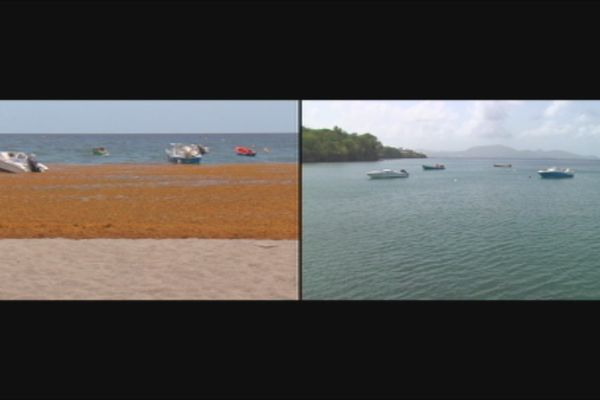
450 200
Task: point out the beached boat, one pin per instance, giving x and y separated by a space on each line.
387 174
503 165
555 172
432 167
100 151
244 151
17 162
185 153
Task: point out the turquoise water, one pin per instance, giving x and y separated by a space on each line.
471 231
149 148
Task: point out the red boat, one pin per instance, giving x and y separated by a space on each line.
244 151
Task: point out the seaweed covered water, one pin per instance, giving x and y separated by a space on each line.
149 148
471 231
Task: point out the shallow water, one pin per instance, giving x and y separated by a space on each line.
471 231
150 148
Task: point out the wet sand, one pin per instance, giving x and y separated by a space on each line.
150 232
148 269
152 201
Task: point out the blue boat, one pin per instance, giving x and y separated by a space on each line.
185 153
556 173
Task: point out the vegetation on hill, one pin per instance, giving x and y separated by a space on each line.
338 145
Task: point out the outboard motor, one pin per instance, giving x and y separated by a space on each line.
201 149
33 163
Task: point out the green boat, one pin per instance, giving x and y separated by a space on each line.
436 166
100 151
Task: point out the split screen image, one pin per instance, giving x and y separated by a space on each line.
201 200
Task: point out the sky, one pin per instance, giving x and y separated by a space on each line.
148 116
452 125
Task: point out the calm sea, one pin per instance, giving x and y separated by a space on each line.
149 148
471 231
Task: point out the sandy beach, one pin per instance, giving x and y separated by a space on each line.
148 269
159 232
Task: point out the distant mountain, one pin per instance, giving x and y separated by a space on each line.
505 152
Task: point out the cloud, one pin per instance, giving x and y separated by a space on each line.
456 125
584 125
401 123
488 118
555 108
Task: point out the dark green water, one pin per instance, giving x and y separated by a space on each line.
471 231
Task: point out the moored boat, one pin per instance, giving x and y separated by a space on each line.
185 153
100 151
387 174
18 162
433 167
555 172
503 165
244 151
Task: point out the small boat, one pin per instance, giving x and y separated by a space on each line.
244 151
100 151
387 174
185 153
503 165
17 162
557 173
431 167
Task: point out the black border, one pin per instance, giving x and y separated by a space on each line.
300 200
357 349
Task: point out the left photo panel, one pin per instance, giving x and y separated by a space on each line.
149 200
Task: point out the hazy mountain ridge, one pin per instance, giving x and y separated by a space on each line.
500 151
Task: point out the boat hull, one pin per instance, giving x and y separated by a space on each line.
387 176
183 160
555 175
430 168
15 168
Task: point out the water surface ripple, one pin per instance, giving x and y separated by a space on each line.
471 231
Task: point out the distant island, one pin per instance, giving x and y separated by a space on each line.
505 152
325 145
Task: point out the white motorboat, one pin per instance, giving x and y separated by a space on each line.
186 153
387 174
17 162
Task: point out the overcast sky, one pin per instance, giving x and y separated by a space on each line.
457 125
148 116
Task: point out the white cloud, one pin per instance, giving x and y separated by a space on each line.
457 125
396 123
488 118
582 126
555 108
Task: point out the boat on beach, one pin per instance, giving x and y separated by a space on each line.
555 172
18 162
387 174
434 167
244 151
180 153
503 165
100 151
